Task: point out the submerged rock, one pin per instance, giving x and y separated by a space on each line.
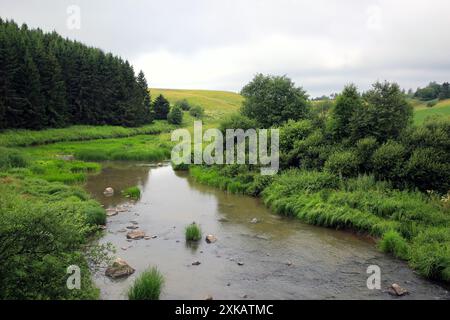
133 227
108 191
209 297
254 220
136 235
398 291
119 269
111 212
196 263
210 238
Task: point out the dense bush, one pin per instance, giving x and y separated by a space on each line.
196 112
273 100
364 151
183 105
39 239
175 115
343 163
388 161
237 121
161 107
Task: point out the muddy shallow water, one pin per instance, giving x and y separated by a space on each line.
282 258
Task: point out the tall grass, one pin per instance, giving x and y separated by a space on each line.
132 192
410 225
193 232
10 138
147 286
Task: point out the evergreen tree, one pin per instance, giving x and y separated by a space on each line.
49 81
445 91
346 104
161 107
175 115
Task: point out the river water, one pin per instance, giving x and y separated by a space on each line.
275 258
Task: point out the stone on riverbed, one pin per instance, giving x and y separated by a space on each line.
132 227
111 212
108 191
210 238
398 291
136 235
119 269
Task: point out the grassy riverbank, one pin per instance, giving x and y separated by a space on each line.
410 225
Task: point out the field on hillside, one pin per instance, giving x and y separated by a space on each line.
216 103
421 111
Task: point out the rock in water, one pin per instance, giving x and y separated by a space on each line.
196 263
210 238
136 235
254 220
398 291
108 191
209 297
119 269
111 212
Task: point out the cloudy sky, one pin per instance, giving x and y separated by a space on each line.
209 44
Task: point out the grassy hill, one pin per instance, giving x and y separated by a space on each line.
421 111
216 103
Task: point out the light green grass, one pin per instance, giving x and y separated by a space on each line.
193 232
10 138
132 192
147 286
422 112
217 104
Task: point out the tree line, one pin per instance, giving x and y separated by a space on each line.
433 91
48 81
362 133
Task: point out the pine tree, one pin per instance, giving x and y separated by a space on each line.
161 107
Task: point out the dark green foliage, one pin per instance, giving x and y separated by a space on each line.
388 161
364 151
445 91
161 107
10 158
347 103
196 112
147 286
95 215
48 81
183 104
272 100
433 91
41 237
385 113
343 163
175 115
237 121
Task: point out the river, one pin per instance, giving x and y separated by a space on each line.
275 258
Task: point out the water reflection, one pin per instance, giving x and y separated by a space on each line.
279 258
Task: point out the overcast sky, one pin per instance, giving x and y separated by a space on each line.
321 44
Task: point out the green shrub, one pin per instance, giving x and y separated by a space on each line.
364 151
388 161
343 163
96 216
237 121
183 104
180 167
430 253
147 286
197 112
193 232
43 238
132 192
393 242
175 115
428 169
10 158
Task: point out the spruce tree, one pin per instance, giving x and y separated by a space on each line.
161 107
